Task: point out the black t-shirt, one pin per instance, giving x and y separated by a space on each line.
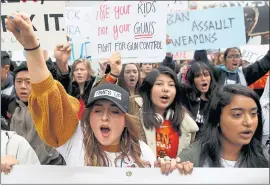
200 118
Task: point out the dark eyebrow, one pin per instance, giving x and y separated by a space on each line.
97 104
113 105
22 78
241 109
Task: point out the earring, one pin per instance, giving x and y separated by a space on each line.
218 125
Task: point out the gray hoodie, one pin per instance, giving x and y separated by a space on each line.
22 124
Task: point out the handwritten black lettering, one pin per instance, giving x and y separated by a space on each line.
131 46
177 17
104 47
146 7
194 39
212 25
144 28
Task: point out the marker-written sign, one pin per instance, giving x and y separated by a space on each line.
253 53
48 23
78 22
133 28
206 29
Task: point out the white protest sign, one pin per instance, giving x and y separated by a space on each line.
78 27
253 53
133 28
176 6
99 175
78 22
47 18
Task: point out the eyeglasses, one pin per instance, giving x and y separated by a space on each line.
234 57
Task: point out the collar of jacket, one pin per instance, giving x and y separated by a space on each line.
8 82
224 68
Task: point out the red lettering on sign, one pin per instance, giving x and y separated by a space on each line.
121 10
120 29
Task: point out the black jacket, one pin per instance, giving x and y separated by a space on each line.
252 73
194 105
74 89
64 79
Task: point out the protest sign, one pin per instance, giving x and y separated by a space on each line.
176 6
206 29
184 55
133 28
78 27
33 174
48 23
78 22
256 15
253 53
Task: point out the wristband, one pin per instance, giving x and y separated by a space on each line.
32 49
110 79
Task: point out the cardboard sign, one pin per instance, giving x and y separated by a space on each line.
206 29
48 22
78 22
176 6
184 55
33 174
256 15
252 53
133 28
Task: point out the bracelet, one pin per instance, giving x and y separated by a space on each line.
115 76
110 79
32 48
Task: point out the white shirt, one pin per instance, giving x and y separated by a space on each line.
73 152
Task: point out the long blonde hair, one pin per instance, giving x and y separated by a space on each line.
130 146
91 72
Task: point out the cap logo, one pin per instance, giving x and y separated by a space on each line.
108 92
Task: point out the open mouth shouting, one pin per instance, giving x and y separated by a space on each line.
132 82
105 131
235 65
204 86
165 99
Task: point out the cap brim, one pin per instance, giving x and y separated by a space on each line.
110 99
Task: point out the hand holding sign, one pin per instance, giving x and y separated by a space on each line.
167 165
7 162
115 63
21 27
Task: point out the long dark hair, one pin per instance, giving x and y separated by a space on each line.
193 72
149 115
251 155
121 79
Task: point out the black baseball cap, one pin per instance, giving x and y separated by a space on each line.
111 92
